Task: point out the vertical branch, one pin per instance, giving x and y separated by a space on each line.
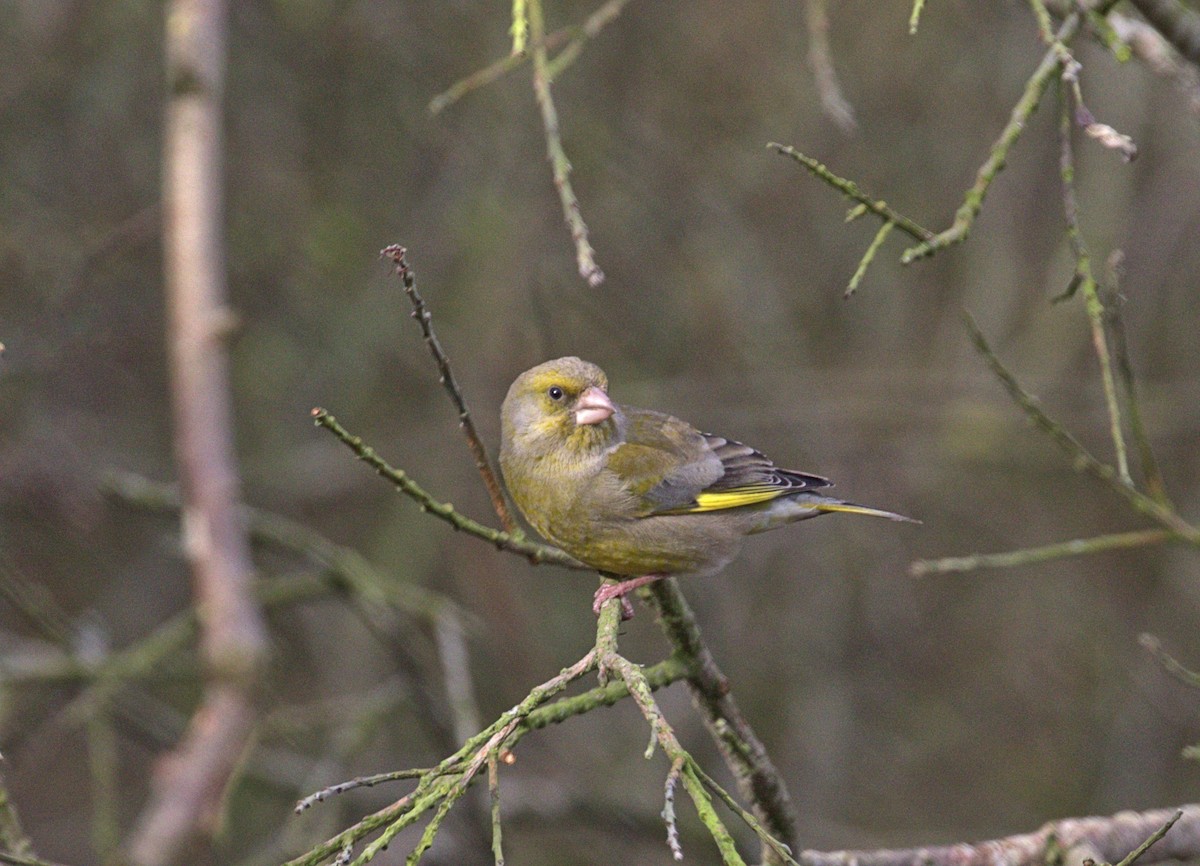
559 164
1151 472
189 785
747 758
1091 291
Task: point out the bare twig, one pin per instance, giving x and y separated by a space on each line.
1033 555
850 189
189 789
832 101
513 542
1090 290
559 164
1155 484
494 798
1108 838
1170 664
1082 459
914 19
396 254
1178 24
573 37
1035 88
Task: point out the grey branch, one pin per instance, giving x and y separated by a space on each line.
1103 839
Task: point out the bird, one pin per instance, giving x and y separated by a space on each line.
636 494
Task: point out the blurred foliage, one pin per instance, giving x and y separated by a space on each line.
900 710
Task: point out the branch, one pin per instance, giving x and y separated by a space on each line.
396 254
188 791
559 164
757 778
1082 459
574 37
1178 24
512 542
1091 291
1108 839
12 838
1035 87
850 189
1034 555
832 101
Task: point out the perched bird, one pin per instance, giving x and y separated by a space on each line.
637 494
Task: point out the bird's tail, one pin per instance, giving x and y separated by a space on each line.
838 505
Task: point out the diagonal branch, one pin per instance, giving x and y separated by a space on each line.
512 542
1080 456
396 254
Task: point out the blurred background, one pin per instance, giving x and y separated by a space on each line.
901 710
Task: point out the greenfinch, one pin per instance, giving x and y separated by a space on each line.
636 494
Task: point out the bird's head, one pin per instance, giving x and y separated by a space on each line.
561 403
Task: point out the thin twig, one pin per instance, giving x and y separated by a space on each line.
1155 484
1154 837
494 798
1035 88
513 542
1082 459
1034 555
559 164
821 58
574 37
850 189
914 19
868 257
1090 290
1170 664
449 779
396 254
324 794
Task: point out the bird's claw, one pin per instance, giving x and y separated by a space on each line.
607 593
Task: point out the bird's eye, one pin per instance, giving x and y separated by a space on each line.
555 392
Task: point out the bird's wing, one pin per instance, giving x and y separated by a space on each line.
663 463
749 477
669 467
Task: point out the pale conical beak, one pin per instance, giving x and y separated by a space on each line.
593 406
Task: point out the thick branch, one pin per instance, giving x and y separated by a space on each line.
1178 24
188 790
758 780
1104 839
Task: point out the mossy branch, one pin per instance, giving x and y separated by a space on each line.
1037 555
514 542
1082 459
560 166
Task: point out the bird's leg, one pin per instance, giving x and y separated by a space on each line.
609 591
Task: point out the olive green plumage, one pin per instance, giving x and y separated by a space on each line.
634 492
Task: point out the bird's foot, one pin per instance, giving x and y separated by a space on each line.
607 592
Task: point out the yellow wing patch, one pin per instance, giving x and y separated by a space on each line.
735 498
